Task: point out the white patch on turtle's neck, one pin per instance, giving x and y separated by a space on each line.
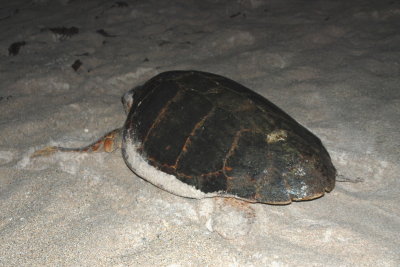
165 181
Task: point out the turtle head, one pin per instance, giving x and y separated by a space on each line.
127 100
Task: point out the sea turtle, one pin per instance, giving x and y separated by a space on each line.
197 134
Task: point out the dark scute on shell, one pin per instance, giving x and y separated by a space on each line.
209 144
174 125
148 103
215 134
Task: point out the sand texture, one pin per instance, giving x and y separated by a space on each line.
332 65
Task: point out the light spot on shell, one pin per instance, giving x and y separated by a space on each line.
276 136
300 171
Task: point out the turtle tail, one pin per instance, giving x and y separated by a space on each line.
108 143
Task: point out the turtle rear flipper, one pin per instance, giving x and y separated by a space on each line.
108 143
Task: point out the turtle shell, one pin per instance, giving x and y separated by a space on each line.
197 134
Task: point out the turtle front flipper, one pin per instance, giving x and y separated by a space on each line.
108 143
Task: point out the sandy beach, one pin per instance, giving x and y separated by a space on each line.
334 66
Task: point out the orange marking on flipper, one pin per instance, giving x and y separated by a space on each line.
109 142
47 151
95 147
108 145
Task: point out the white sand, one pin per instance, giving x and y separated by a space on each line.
332 65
